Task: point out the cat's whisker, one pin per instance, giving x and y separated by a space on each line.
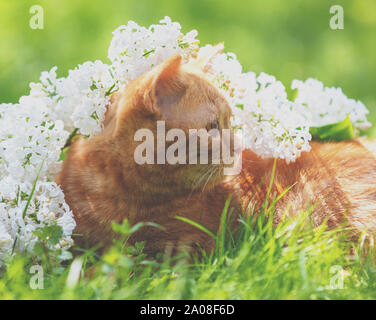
198 181
208 179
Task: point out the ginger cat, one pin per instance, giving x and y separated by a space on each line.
102 182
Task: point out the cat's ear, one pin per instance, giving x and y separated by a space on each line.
166 87
203 62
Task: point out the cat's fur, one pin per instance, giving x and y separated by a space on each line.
102 183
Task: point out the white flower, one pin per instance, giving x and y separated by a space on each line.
135 49
5 243
323 105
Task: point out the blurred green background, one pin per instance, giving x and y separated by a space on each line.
289 39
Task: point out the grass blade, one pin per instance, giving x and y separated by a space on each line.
197 225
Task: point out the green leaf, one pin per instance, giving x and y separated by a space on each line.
148 52
64 154
52 234
109 91
70 138
65 256
334 132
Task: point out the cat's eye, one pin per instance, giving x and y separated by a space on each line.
213 125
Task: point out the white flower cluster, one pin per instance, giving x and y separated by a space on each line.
135 49
324 105
271 124
80 99
34 131
31 140
274 126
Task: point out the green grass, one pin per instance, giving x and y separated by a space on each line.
256 261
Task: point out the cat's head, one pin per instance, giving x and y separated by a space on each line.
160 120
